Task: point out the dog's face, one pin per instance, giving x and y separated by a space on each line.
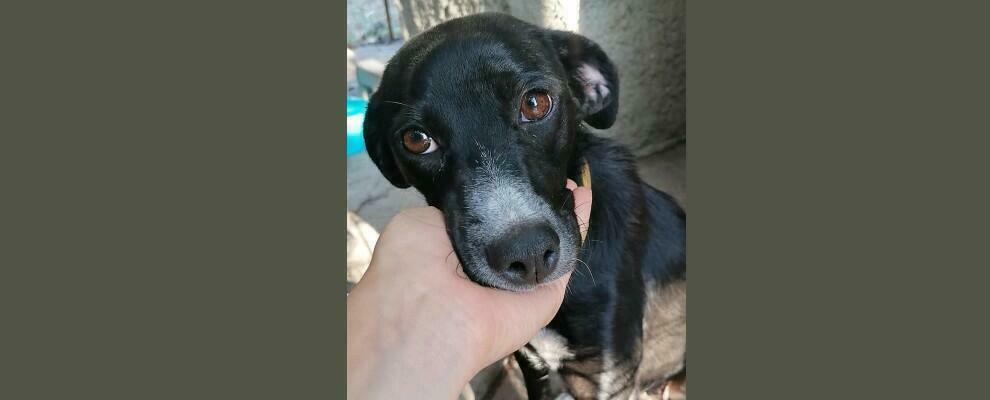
480 114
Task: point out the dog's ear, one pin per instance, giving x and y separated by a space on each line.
377 143
592 78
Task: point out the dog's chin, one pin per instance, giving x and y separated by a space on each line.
493 280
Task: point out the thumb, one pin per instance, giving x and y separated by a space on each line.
582 206
521 316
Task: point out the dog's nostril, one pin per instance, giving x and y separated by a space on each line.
518 268
550 258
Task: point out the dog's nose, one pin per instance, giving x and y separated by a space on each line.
526 254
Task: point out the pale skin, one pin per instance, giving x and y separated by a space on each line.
418 328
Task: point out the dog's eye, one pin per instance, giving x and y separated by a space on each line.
418 142
535 105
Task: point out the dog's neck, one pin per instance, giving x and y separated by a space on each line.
580 165
612 168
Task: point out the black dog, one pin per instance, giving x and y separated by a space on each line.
483 115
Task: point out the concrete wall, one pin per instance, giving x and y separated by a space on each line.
646 41
644 38
366 21
420 15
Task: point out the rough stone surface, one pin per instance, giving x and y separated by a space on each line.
371 196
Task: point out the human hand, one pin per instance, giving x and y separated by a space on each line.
421 327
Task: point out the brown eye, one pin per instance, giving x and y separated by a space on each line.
535 105
418 142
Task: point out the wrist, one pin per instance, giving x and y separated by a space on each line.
408 351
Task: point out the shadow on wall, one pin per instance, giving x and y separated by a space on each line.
646 40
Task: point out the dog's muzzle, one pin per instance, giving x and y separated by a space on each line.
525 255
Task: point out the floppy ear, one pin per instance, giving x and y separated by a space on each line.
376 142
592 78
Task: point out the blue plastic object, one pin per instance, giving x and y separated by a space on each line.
355 124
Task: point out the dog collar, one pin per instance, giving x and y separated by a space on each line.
585 175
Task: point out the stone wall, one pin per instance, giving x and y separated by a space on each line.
644 38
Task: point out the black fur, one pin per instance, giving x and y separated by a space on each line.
461 81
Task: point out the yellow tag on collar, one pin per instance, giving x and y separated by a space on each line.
585 175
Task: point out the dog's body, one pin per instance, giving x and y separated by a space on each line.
489 112
636 271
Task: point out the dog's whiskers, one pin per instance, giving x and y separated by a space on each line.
578 271
589 271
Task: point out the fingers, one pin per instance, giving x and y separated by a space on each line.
522 315
570 184
554 296
582 206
